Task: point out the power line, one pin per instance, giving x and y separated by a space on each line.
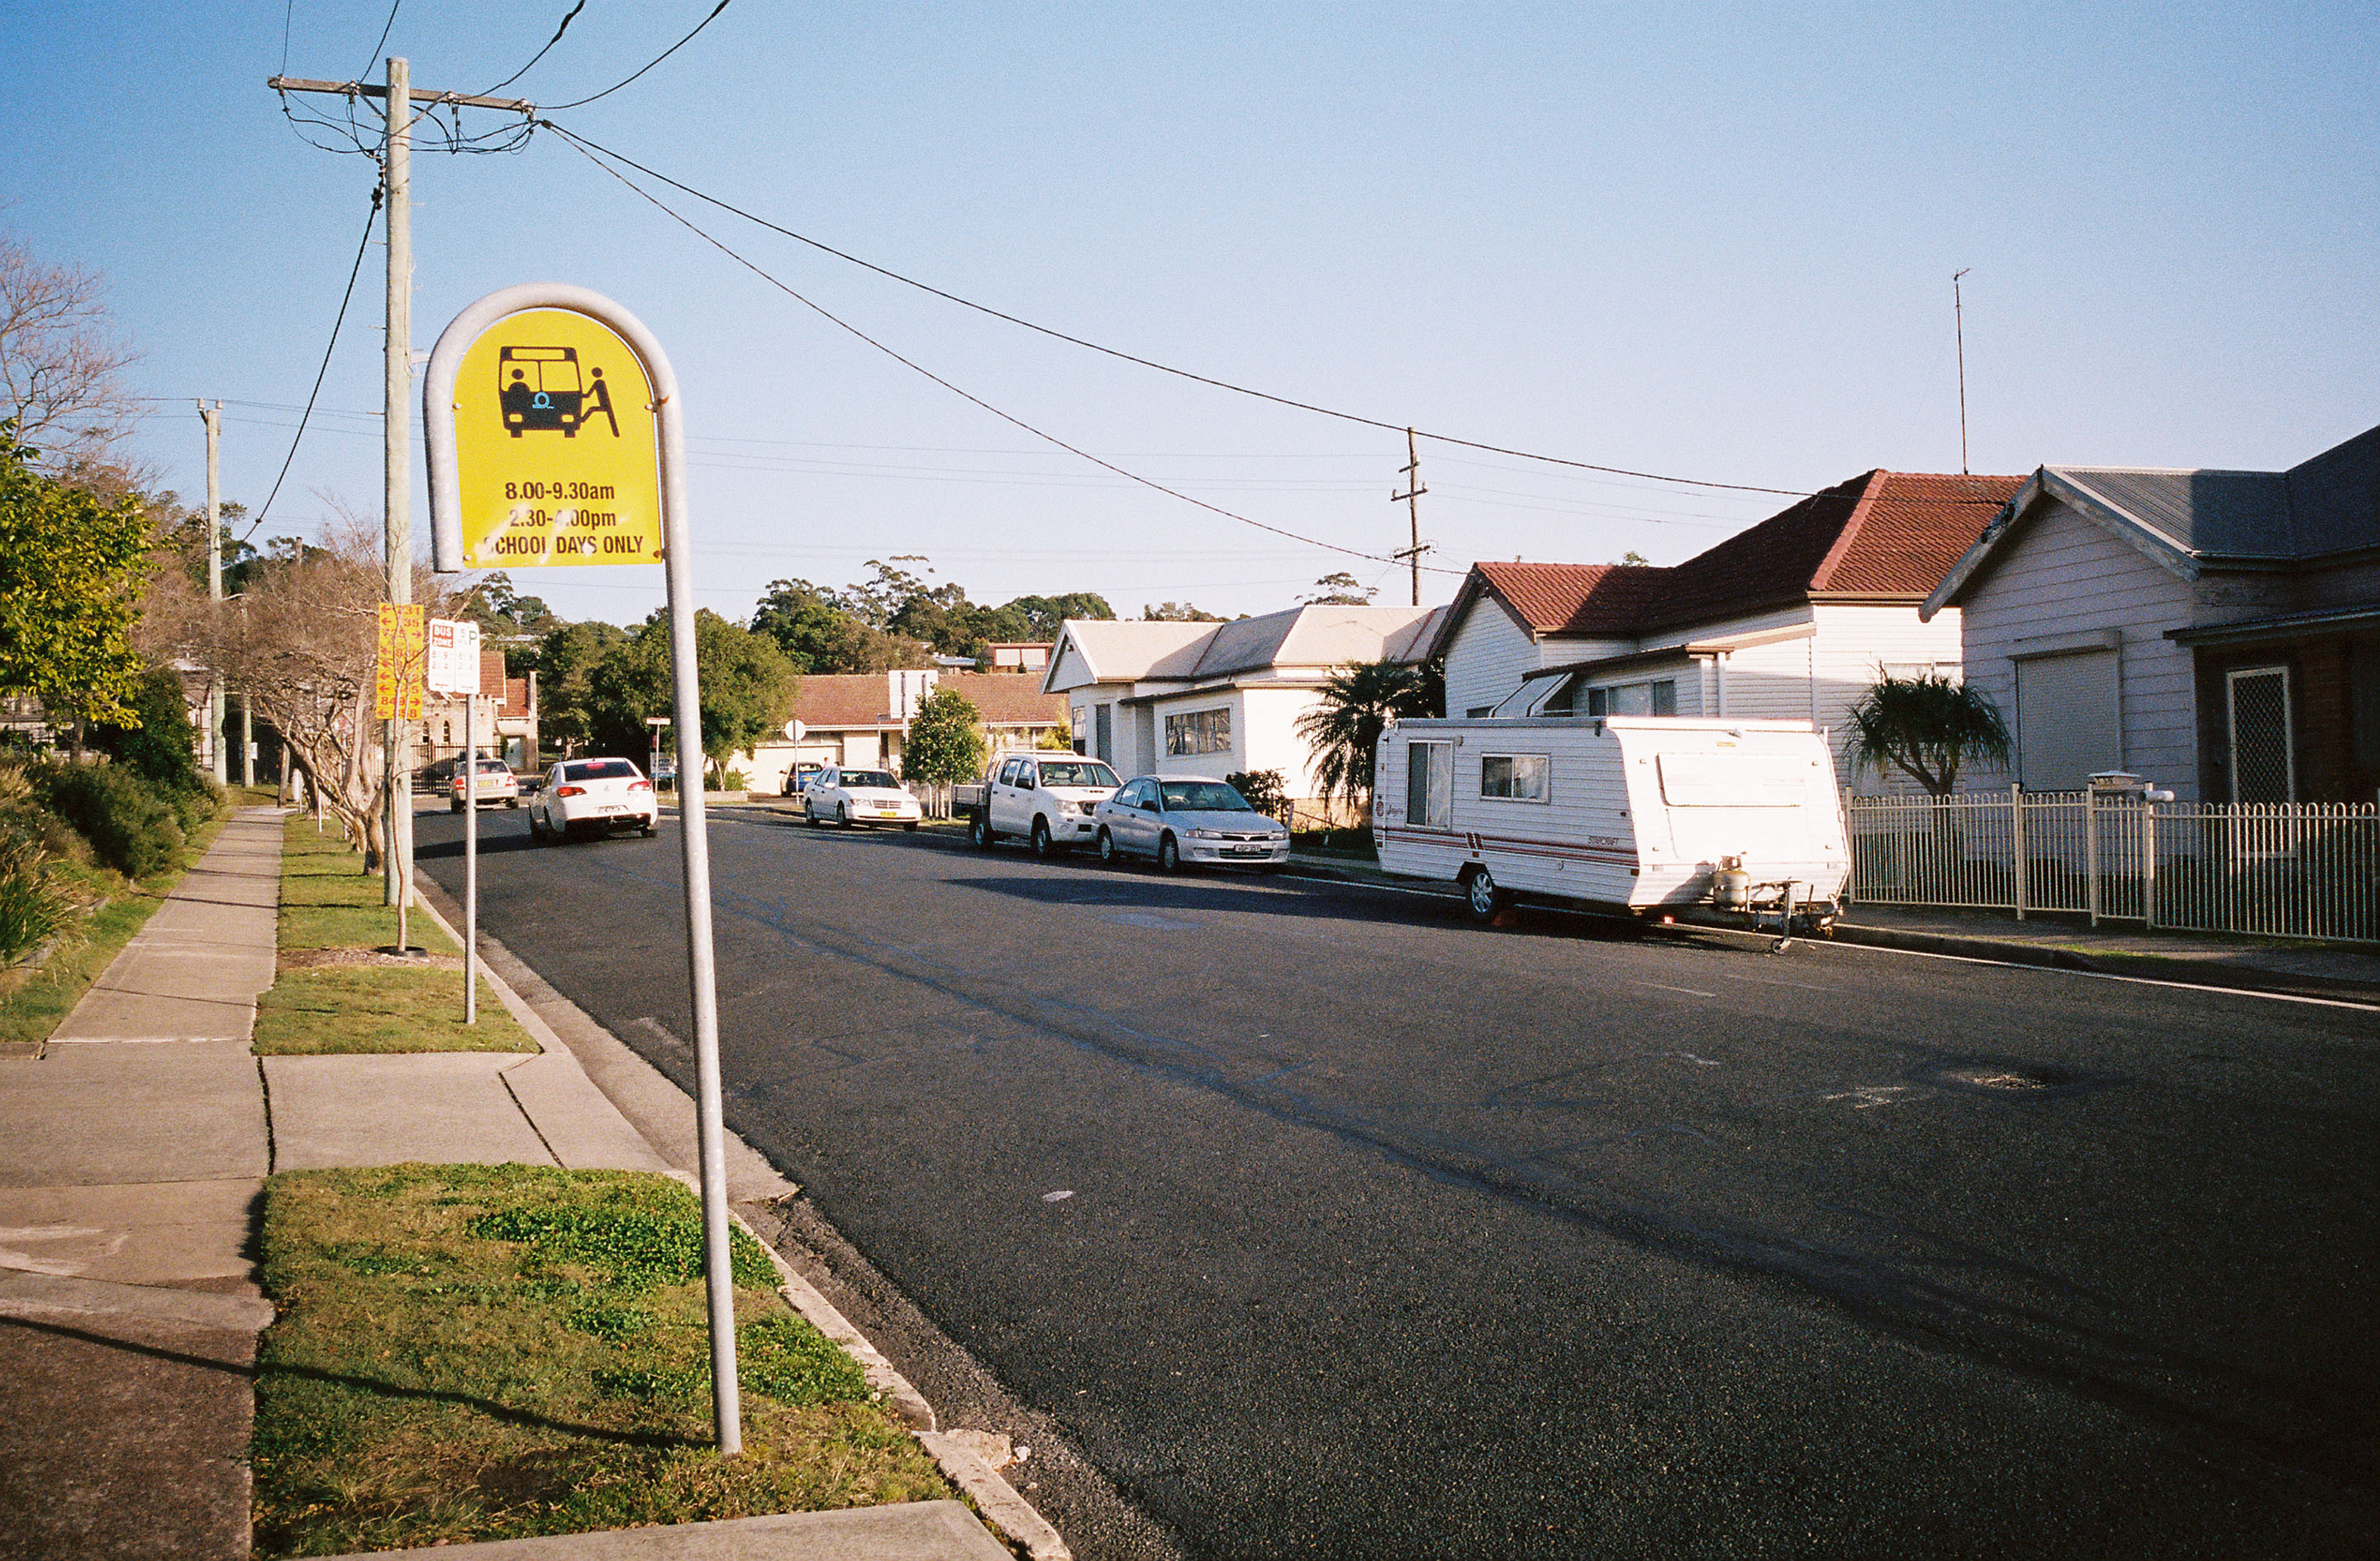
656 60
353 272
964 396
1129 357
385 28
540 53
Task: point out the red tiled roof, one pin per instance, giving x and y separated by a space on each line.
1006 699
839 701
1882 534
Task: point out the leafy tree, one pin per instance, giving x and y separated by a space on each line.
1341 589
565 662
159 744
819 634
1177 612
1632 556
71 572
1267 791
1043 614
1929 729
497 608
747 686
1356 705
183 529
945 743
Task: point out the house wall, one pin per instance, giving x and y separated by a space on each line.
2334 713
1488 657
2068 575
1853 646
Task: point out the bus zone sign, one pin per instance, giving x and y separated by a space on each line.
554 451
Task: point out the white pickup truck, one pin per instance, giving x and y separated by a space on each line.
1036 796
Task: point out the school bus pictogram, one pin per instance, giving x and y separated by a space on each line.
539 388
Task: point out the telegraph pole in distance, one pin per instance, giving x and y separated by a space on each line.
398 98
212 417
1411 499
1959 324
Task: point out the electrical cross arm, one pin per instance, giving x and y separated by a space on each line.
366 90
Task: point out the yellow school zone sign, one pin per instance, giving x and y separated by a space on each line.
556 462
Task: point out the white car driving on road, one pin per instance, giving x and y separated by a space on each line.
859 796
591 797
1179 820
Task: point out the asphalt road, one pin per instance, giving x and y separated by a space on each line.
1384 1235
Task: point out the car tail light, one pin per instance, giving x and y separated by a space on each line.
570 791
640 785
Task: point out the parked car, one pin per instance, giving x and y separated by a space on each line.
799 779
439 774
859 796
495 782
1174 819
1045 797
594 796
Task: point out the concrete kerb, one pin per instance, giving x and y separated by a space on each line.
640 1093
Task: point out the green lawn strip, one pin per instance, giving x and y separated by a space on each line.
327 904
48 994
481 1352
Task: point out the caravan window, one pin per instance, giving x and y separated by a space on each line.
1429 785
1514 777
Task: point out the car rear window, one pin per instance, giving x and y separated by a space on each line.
603 770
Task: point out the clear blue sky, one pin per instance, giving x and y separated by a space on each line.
1710 241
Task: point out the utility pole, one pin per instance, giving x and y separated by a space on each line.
398 98
1411 499
212 417
1959 324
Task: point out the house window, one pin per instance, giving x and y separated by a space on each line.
1910 671
2264 767
1103 732
1514 777
2364 704
2069 721
1198 732
1656 699
1429 785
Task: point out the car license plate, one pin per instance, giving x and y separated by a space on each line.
887 813
615 808
1247 851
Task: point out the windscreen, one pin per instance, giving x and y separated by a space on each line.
603 769
1086 772
1203 796
869 778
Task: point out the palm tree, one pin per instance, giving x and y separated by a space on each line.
1357 703
1929 729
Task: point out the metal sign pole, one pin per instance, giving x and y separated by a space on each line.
470 768
439 393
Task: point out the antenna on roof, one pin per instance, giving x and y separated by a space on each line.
1959 324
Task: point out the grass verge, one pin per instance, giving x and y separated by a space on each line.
321 1003
480 1352
33 1002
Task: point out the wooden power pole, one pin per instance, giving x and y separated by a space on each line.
1411 499
396 158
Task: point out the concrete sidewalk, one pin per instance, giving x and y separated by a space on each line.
133 1153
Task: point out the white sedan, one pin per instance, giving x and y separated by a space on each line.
859 796
592 796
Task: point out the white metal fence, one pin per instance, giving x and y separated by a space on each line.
2287 870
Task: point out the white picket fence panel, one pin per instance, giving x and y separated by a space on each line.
2282 870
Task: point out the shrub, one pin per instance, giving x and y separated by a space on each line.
1264 789
32 908
130 827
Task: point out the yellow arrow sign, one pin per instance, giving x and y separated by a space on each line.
554 449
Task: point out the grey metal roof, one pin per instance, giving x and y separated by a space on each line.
2240 515
2335 498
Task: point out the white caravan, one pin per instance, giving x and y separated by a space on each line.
1650 817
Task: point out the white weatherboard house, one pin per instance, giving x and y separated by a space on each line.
1157 698
2217 632
1794 619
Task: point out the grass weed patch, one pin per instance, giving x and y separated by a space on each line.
479 1352
379 1009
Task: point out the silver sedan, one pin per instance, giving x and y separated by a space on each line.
1178 819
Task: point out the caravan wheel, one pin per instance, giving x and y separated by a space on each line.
1484 898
